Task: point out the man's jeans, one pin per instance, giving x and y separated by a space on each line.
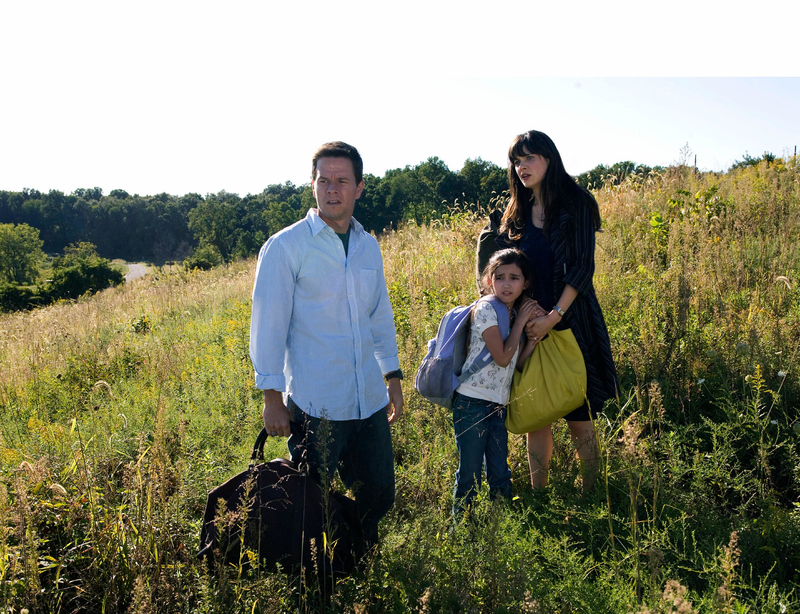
480 435
362 452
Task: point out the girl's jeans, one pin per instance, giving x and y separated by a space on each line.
481 435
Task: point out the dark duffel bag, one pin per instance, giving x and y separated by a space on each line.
287 517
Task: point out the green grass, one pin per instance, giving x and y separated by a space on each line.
120 412
121 266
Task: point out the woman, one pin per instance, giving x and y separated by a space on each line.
553 221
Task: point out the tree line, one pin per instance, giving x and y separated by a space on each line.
204 231
165 227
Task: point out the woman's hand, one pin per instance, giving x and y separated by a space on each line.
537 328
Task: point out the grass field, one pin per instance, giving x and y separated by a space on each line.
120 412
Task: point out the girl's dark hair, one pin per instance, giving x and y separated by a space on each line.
507 256
558 191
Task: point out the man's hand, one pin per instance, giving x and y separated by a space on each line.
276 414
395 407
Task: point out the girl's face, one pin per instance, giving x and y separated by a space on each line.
531 169
508 283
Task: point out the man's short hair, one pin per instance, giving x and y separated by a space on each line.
338 149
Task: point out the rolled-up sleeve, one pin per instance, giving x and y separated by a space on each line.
580 265
273 293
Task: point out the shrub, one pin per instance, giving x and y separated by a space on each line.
204 257
16 298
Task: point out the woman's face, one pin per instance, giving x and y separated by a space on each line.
531 169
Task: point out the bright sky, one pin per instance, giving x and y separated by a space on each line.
177 97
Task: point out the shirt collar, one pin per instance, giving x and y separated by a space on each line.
318 224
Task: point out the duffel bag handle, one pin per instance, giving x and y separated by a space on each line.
258 447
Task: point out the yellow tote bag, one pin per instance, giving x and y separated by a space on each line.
551 384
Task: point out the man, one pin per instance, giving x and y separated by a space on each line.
322 332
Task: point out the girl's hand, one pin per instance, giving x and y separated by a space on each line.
502 351
528 309
537 309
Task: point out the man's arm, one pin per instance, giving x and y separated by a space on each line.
384 336
269 325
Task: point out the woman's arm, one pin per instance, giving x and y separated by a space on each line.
579 271
580 265
537 328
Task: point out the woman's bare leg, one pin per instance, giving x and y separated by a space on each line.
540 451
583 438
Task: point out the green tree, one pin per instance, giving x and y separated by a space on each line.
279 214
406 194
748 160
483 181
373 209
615 174
20 253
215 221
204 257
593 179
442 187
81 270
78 252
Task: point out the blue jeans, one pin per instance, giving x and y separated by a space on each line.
362 452
481 437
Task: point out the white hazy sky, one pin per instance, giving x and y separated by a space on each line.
177 97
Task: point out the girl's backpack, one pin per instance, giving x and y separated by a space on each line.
441 371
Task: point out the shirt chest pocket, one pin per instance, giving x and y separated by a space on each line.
366 282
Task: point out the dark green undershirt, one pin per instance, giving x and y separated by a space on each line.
345 237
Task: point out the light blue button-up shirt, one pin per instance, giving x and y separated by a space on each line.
322 328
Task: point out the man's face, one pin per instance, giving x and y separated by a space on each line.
335 190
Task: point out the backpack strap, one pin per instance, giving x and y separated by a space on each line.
485 357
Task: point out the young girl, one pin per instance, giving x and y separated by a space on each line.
479 406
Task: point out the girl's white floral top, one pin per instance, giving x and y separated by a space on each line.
493 382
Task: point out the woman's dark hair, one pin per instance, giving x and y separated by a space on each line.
507 256
558 190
